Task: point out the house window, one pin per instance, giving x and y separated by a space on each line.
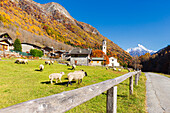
97 61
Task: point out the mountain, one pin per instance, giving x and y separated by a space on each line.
51 25
139 50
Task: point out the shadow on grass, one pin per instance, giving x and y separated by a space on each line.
70 69
59 83
117 95
124 84
104 93
65 78
64 83
46 82
38 70
122 95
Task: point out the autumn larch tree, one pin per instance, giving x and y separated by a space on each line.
17 45
136 63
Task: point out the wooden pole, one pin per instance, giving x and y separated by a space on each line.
112 100
131 85
136 79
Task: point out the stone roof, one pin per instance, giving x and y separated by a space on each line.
1 33
34 45
80 51
97 59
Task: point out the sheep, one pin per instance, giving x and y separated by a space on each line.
68 64
56 76
106 68
76 75
119 69
47 62
41 67
73 67
52 62
24 61
21 61
114 69
18 61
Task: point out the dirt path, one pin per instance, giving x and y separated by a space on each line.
157 93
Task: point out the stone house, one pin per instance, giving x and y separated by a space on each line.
26 47
80 56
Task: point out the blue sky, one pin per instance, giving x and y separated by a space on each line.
125 22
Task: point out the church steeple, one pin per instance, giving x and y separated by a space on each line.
104 46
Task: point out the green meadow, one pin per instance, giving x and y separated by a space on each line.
23 82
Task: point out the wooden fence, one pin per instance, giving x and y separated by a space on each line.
67 100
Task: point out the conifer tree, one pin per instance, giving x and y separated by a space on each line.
17 45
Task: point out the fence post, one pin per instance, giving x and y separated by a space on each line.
136 79
131 85
112 100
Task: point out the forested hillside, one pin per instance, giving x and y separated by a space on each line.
158 62
51 25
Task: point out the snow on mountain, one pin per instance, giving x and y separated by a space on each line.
139 50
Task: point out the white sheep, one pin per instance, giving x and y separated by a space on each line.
21 61
76 75
24 61
119 69
47 62
52 62
68 63
73 67
114 69
56 76
18 61
41 67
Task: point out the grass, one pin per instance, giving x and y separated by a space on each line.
20 83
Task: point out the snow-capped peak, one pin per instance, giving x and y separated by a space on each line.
139 50
142 47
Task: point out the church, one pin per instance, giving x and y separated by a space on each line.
112 61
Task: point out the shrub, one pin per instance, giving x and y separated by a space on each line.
36 53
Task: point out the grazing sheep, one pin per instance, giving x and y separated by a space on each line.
56 76
114 69
47 62
119 69
76 75
21 61
18 61
24 61
73 67
41 67
68 63
52 62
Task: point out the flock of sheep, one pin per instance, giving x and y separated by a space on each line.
76 75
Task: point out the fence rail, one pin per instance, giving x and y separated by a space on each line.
67 100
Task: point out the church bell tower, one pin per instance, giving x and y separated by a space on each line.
104 46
